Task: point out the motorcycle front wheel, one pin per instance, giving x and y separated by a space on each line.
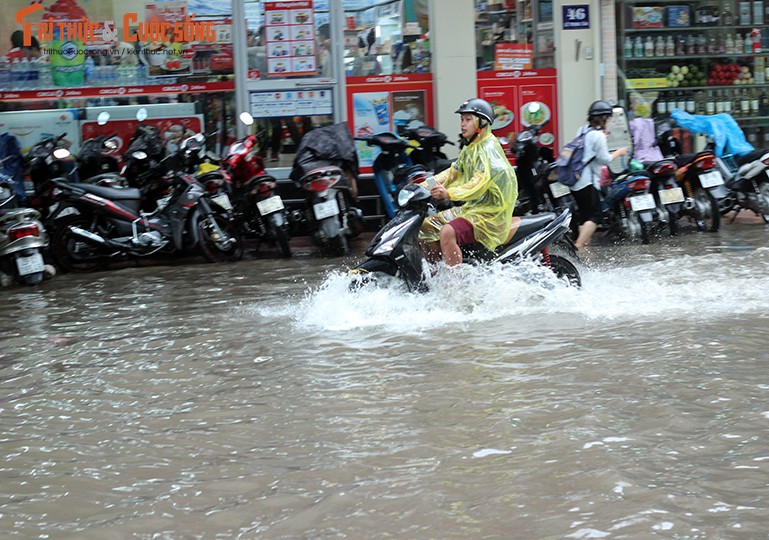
367 272
72 254
215 247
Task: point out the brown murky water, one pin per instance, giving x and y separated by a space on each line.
263 400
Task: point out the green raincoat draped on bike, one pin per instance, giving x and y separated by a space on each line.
483 178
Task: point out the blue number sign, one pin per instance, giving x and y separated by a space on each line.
576 17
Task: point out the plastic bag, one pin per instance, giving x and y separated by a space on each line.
727 134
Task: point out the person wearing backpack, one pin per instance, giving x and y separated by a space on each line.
483 180
586 190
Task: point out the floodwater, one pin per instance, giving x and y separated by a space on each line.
262 400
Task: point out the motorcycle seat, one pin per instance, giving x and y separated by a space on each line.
529 224
113 194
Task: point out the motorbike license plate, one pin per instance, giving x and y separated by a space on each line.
223 200
671 196
559 190
326 209
271 205
642 202
30 264
711 179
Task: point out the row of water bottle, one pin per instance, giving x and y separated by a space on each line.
35 74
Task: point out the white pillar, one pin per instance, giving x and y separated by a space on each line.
452 37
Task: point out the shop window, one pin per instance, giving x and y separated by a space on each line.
387 37
514 34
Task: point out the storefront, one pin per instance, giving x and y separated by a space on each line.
294 65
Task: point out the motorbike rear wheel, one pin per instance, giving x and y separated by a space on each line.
280 237
710 219
763 194
215 249
72 254
564 265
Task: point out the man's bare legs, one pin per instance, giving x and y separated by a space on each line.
586 231
452 253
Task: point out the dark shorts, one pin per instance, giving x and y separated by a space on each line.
588 203
464 231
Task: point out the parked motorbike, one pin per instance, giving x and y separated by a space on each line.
669 197
326 169
427 148
531 161
258 211
747 178
23 239
629 208
395 250
109 223
42 166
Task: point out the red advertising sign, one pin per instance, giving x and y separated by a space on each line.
290 38
510 91
393 103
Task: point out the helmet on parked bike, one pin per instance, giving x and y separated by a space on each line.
599 108
479 108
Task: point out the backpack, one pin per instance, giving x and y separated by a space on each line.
569 163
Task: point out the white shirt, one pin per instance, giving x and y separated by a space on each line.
597 150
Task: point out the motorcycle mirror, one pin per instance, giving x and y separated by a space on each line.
141 114
503 140
139 155
103 118
111 144
199 137
246 118
61 153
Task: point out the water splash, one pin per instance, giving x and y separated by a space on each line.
693 286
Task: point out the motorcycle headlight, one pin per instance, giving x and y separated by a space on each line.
405 196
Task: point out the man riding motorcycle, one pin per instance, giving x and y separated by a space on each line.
483 180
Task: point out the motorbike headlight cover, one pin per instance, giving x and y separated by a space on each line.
405 196
237 149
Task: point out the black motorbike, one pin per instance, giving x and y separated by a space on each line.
531 161
326 169
427 149
395 250
109 223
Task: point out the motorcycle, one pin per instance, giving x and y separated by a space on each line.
747 178
109 223
22 239
704 189
258 211
325 168
531 161
426 148
669 197
395 250
629 208
95 162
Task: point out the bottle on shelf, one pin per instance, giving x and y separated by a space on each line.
759 70
680 101
745 103
729 44
691 45
5 73
712 47
691 106
727 18
661 105
638 48
721 44
754 102
702 44
748 44
670 47
758 12
671 104
659 46
710 103
763 105
681 46
628 47
648 47
737 45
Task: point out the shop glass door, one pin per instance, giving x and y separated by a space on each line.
291 84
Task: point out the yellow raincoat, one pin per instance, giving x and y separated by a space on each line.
483 178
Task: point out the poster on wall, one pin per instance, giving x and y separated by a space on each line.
512 56
511 93
290 38
31 127
409 110
305 102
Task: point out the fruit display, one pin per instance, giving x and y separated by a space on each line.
684 76
729 73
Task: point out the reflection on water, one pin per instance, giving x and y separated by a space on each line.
265 400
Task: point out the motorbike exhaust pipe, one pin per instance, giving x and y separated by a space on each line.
95 239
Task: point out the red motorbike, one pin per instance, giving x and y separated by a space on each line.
258 211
